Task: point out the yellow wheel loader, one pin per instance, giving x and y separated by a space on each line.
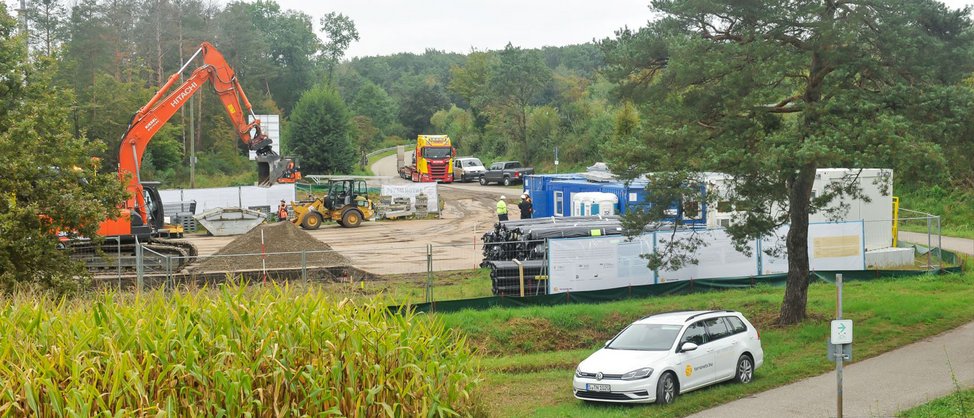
347 203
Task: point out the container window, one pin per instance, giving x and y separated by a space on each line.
559 204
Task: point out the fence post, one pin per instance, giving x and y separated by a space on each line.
929 242
429 273
940 247
139 267
520 273
118 260
304 265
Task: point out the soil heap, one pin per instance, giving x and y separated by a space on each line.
280 237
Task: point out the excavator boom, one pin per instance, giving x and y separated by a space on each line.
271 168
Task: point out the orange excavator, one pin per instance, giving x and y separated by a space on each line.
142 216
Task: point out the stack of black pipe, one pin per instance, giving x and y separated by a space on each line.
527 241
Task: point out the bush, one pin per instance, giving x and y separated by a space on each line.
233 352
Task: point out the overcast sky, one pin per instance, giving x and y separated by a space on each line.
390 26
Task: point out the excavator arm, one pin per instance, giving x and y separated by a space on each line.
271 168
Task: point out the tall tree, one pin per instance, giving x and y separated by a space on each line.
319 133
420 98
516 80
340 30
365 135
48 23
50 183
372 101
770 91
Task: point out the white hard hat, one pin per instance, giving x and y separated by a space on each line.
503 197
525 194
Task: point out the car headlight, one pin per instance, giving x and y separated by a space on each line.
578 373
638 374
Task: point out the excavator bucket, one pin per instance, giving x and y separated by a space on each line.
273 169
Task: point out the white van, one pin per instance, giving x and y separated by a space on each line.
467 169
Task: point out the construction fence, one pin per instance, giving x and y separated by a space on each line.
466 272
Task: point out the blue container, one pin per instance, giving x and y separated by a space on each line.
540 189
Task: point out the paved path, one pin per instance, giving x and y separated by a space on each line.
878 387
957 245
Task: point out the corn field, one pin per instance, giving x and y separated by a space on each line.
232 352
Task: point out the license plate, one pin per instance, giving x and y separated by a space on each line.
595 387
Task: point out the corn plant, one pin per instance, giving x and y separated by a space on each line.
231 352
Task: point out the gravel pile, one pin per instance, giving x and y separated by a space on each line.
244 253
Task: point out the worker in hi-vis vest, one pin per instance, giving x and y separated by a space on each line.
502 209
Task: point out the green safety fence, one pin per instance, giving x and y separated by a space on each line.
661 289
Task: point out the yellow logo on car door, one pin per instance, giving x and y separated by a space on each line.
689 370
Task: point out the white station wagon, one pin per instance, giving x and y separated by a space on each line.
661 356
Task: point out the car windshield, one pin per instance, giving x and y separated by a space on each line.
437 152
472 163
649 337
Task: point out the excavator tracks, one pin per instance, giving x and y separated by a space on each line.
159 255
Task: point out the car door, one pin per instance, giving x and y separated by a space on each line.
696 368
724 346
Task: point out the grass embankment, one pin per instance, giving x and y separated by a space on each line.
238 351
531 353
400 289
954 206
959 404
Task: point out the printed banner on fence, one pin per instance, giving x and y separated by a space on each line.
831 246
410 191
583 264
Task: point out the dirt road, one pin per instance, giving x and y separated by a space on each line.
393 247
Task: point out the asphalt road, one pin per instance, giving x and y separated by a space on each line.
878 387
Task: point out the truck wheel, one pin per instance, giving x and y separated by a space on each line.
507 181
483 181
312 221
351 219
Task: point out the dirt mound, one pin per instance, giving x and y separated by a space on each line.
244 253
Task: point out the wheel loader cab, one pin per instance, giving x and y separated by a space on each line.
342 193
346 203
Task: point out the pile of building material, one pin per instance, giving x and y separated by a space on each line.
422 206
390 207
526 241
181 213
394 207
506 277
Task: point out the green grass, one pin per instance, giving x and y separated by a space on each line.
531 352
958 404
956 207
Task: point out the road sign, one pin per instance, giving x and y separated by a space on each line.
839 351
841 331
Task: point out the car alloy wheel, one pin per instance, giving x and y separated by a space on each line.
483 181
745 369
666 389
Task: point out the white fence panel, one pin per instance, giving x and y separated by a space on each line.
231 197
597 263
